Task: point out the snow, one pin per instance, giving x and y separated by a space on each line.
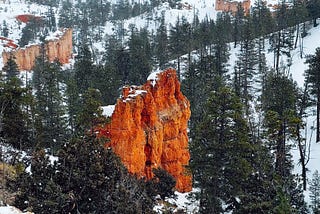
107 111
137 92
54 35
153 77
180 202
11 210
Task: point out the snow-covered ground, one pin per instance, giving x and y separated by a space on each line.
11 210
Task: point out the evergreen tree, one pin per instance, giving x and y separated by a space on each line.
315 192
84 68
140 56
38 191
13 100
13 127
66 16
161 45
299 7
30 31
221 143
282 39
50 110
279 102
108 82
204 36
72 99
313 80
220 48
162 184
121 10
51 19
11 68
245 69
178 40
5 30
263 21
90 114
86 178
238 25
313 7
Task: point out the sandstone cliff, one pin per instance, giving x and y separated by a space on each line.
59 48
149 128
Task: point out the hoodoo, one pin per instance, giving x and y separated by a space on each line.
149 128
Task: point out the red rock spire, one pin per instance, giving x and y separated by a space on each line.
149 129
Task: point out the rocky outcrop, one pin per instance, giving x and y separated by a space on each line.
58 47
149 128
232 5
27 17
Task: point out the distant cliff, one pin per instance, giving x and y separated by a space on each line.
149 128
59 47
232 5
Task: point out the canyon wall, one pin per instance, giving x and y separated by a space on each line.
59 47
149 128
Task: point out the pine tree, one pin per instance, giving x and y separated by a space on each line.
11 68
66 17
313 80
221 143
38 190
204 36
84 68
162 184
51 19
238 25
246 66
282 38
315 192
13 100
179 38
220 48
161 45
86 178
49 108
90 114
279 104
281 119
140 56
5 30
263 21
313 7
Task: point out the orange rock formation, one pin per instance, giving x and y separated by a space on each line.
149 129
232 6
27 17
59 48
